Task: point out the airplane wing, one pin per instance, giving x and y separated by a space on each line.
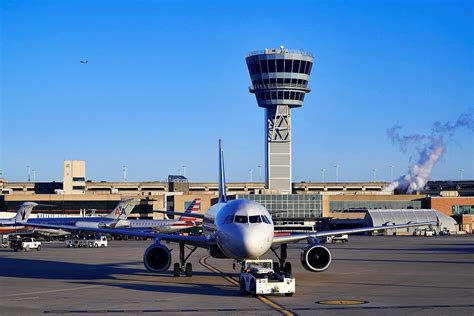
198 241
197 215
278 240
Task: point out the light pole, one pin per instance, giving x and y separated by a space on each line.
461 174
251 175
336 165
375 174
184 171
124 169
391 172
34 174
259 173
28 172
323 174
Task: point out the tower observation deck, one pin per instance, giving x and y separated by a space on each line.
279 81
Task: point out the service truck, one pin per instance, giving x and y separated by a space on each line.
339 238
258 277
25 243
87 242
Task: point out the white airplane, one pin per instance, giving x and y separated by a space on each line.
16 223
238 229
185 221
116 218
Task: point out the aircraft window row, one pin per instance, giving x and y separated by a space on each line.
280 95
244 219
280 65
280 81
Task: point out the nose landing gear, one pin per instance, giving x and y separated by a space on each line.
282 265
183 267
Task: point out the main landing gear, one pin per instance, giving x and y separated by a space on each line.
184 267
282 266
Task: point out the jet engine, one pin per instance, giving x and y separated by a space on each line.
157 258
315 258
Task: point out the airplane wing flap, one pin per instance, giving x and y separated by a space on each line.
278 240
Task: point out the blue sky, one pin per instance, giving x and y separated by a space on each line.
165 80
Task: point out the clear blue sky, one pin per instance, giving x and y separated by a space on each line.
165 80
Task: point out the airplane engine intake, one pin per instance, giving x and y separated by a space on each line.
157 258
315 258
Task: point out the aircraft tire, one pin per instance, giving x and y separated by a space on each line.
243 289
176 270
27 248
39 248
276 267
288 269
189 269
253 288
288 294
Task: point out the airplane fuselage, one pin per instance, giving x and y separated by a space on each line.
243 229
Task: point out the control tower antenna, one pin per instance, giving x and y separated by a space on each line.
279 81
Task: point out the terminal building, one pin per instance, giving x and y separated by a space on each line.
310 206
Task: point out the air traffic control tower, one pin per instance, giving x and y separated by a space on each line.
279 81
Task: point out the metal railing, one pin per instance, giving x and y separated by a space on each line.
279 51
279 86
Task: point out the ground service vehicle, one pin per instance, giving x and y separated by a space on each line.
334 239
25 243
258 277
87 242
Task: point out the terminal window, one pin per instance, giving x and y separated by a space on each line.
463 209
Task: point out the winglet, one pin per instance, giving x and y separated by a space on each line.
222 194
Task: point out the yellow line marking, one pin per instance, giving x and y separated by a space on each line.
262 298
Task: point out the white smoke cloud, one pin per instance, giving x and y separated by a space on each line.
430 149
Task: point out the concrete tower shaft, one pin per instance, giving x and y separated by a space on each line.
279 81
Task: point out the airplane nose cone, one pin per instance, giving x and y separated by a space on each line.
256 241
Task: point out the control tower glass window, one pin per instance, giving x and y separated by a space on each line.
271 65
288 64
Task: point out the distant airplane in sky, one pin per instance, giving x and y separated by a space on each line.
84 61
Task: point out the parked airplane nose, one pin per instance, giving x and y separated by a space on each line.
257 240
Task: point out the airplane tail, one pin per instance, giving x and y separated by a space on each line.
194 207
222 188
24 212
123 209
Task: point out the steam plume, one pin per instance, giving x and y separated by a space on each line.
430 149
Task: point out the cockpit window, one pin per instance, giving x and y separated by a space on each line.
255 219
265 219
240 219
228 219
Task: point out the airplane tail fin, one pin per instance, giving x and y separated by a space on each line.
222 188
123 209
194 207
24 212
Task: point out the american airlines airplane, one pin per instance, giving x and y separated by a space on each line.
185 221
116 218
16 223
239 229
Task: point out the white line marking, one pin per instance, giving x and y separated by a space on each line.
53 291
